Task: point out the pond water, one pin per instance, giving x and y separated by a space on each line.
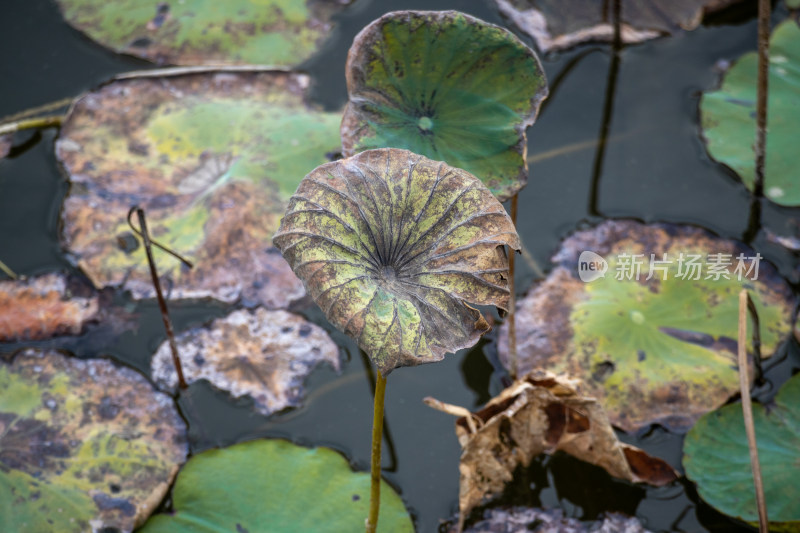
654 168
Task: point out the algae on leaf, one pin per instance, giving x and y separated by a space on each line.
447 86
729 117
276 486
392 246
213 158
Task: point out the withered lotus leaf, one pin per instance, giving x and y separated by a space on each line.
41 307
84 445
447 86
262 354
212 157
543 413
391 245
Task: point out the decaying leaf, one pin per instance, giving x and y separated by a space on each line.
543 413
391 245
561 24
262 32
729 117
447 86
263 354
519 519
275 486
42 307
84 445
212 157
659 350
717 458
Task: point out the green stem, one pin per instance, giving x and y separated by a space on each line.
33 123
377 438
10 273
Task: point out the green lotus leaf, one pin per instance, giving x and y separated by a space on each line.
652 350
84 445
263 354
793 4
212 157
716 457
276 486
207 32
447 86
391 245
729 117
561 24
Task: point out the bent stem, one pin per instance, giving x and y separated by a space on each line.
377 438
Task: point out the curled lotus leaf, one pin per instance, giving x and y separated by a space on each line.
275 486
717 458
263 354
84 445
391 245
658 350
212 157
447 86
729 117
561 24
207 32
42 307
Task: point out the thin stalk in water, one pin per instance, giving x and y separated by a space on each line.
512 301
377 439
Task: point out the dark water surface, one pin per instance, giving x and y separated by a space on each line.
654 168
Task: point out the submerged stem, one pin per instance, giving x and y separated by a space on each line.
377 434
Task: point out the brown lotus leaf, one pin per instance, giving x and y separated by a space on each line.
42 307
519 519
263 354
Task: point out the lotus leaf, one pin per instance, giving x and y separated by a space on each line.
207 32
561 24
42 307
212 157
276 486
517 519
729 117
447 86
84 445
264 354
391 245
717 458
652 350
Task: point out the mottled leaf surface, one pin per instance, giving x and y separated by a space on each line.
447 86
42 307
84 445
519 519
276 486
213 158
263 354
391 246
543 413
657 350
207 32
729 117
717 458
561 24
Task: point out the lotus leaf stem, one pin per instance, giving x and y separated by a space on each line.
377 438
30 124
8 272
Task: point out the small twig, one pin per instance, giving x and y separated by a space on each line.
162 304
747 410
755 338
473 421
36 110
8 272
32 123
155 243
512 301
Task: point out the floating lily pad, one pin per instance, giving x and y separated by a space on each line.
717 458
447 86
84 445
729 117
42 307
543 413
277 486
263 32
265 355
518 519
391 245
213 158
560 24
657 350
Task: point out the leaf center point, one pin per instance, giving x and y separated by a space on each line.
425 123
